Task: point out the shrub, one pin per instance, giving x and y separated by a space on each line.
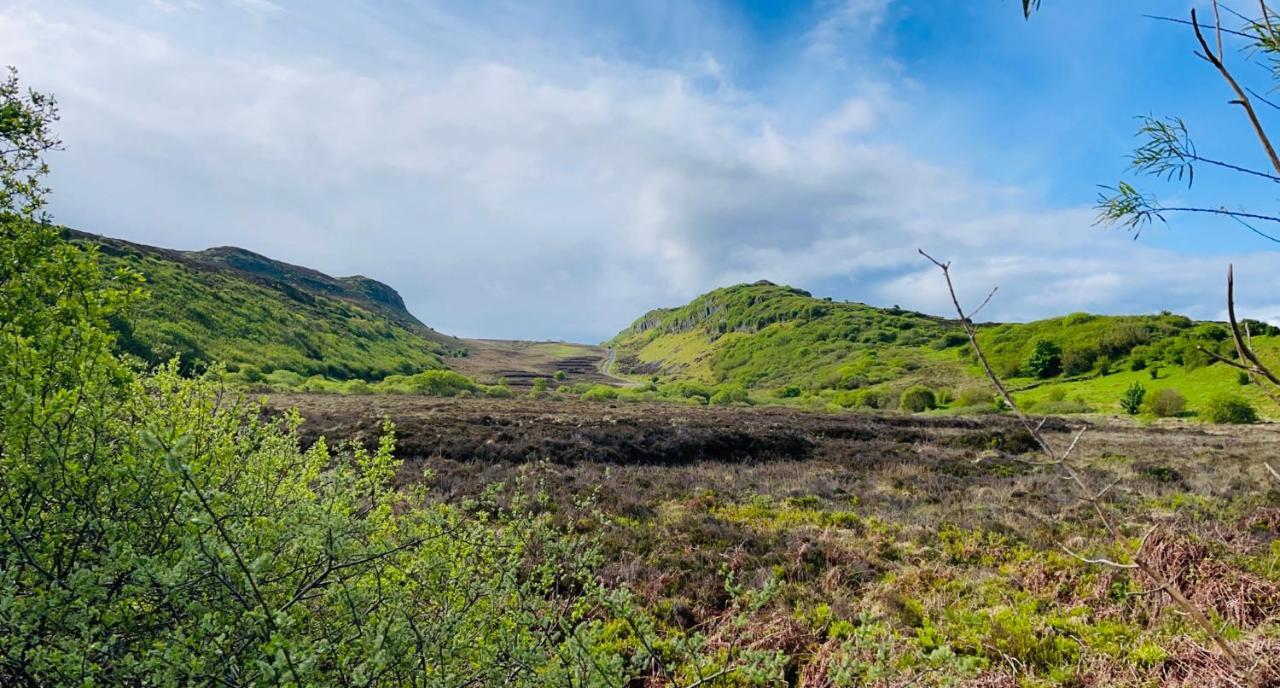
1131 402
732 394
559 376
918 398
1045 360
1079 361
951 340
498 392
974 396
1229 408
440 383
600 393
788 392
1167 403
874 399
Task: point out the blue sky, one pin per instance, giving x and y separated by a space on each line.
551 170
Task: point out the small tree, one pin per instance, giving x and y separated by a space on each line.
1045 360
1131 402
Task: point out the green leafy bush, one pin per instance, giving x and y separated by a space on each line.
1131 402
600 393
1167 403
917 399
1229 408
730 394
1045 360
440 383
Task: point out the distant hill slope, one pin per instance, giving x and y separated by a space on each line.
248 311
770 338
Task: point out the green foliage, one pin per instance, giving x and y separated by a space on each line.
440 383
1229 408
788 392
559 376
600 393
1167 403
729 394
765 337
1131 402
1045 360
917 399
206 315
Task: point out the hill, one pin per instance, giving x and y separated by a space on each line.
782 342
260 316
289 326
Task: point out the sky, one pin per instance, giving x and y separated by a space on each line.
552 170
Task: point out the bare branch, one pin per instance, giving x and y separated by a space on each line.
1175 20
1246 353
1242 98
1102 562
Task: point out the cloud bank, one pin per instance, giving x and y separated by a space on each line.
517 186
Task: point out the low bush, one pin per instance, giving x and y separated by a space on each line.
917 399
1229 409
730 394
974 396
600 393
1166 403
441 383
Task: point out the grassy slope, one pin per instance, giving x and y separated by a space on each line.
207 311
767 337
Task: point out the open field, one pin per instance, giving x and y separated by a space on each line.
490 361
901 550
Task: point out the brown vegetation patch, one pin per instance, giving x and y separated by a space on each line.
1240 597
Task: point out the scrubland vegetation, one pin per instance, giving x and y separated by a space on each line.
785 346
158 527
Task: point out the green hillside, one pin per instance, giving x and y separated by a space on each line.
782 343
261 317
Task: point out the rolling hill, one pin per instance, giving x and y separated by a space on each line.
259 315
281 324
783 343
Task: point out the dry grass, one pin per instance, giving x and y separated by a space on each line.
925 548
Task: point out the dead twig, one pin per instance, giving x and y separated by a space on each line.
1094 498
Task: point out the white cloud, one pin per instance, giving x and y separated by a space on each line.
552 197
